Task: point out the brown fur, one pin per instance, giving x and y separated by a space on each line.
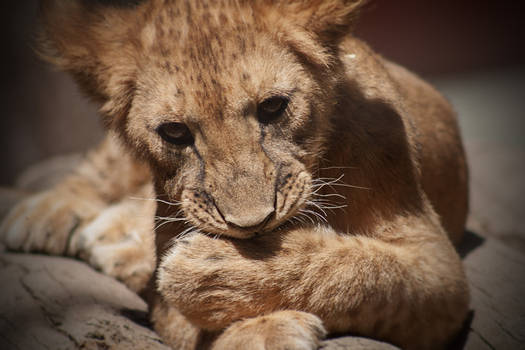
366 151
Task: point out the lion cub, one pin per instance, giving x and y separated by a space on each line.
304 185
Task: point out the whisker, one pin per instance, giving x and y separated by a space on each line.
186 232
157 200
299 219
328 195
170 218
351 186
163 220
325 181
330 178
304 215
339 167
325 201
332 207
164 223
317 206
322 218
322 182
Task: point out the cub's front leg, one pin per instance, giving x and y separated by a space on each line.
280 330
411 292
92 214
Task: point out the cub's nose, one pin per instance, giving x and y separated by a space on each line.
253 220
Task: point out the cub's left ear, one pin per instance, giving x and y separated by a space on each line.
89 39
328 20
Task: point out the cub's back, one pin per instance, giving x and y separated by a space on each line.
430 123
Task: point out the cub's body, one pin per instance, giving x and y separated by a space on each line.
388 111
303 184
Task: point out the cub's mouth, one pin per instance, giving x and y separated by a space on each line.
252 214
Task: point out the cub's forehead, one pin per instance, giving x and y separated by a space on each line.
200 31
204 53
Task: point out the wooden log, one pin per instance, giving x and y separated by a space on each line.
59 303
496 276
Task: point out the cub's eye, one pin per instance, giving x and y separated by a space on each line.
175 133
272 108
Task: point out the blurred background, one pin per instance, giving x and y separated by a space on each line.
473 51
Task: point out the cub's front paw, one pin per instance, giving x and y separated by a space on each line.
281 330
120 242
46 221
212 283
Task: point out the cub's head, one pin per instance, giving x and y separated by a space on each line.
229 101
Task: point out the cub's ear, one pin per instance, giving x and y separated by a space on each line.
89 39
314 27
330 20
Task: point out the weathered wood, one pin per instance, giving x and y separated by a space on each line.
355 343
496 275
59 303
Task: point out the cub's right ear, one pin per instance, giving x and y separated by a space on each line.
90 40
